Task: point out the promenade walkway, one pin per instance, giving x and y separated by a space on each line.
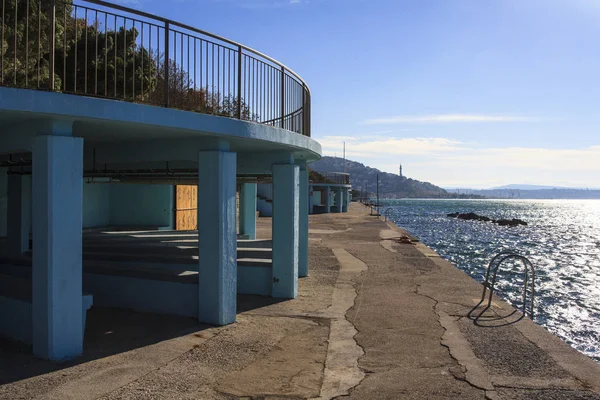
376 319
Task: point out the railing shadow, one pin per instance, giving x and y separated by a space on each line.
492 321
488 291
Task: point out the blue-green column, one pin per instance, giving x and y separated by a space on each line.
57 193
18 213
217 241
303 222
338 199
248 210
327 191
345 199
286 191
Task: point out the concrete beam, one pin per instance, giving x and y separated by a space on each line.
262 162
57 223
286 190
181 153
217 265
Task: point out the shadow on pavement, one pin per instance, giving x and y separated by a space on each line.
492 319
109 331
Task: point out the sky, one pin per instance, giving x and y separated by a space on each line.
463 93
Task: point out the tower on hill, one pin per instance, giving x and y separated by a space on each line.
400 171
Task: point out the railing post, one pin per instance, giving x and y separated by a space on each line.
51 43
282 97
306 112
303 119
167 42
239 84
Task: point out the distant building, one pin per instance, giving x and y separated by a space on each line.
400 171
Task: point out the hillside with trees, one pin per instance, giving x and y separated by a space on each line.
391 186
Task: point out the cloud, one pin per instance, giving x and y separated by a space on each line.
450 163
372 145
446 118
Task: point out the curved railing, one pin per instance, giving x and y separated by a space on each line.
95 48
339 178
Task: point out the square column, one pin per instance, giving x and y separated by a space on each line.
19 213
338 200
248 210
286 207
57 222
303 223
327 192
310 199
217 242
345 199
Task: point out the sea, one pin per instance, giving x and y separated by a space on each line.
562 240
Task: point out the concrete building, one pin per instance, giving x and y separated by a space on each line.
103 148
329 192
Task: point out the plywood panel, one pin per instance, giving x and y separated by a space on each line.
186 207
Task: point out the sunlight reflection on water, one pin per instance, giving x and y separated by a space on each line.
562 240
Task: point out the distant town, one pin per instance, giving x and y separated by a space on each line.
533 192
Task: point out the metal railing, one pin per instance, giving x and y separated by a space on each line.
95 48
491 276
331 177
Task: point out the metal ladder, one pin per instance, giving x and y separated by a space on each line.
529 278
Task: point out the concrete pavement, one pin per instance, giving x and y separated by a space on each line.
378 318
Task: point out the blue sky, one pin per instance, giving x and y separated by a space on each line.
468 93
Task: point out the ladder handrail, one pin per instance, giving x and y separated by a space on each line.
494 265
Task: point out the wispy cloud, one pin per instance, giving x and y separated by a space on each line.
372 145
450 162
446 118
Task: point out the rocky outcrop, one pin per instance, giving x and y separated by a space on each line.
470 217
474 217
510 222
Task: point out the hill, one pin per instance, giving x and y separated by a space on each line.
391 186
528 187
555 193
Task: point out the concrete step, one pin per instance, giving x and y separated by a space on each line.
258 253
255 244
255 262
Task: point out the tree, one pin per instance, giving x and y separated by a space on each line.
107 63
25 43
183 94
91 59
87 59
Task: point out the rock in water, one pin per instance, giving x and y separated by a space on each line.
474 217
470 217
510 222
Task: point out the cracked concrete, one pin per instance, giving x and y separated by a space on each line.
341 366
376 319
412 320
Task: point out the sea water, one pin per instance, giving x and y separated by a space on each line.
562 239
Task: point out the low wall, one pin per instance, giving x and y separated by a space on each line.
162 296
16 310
